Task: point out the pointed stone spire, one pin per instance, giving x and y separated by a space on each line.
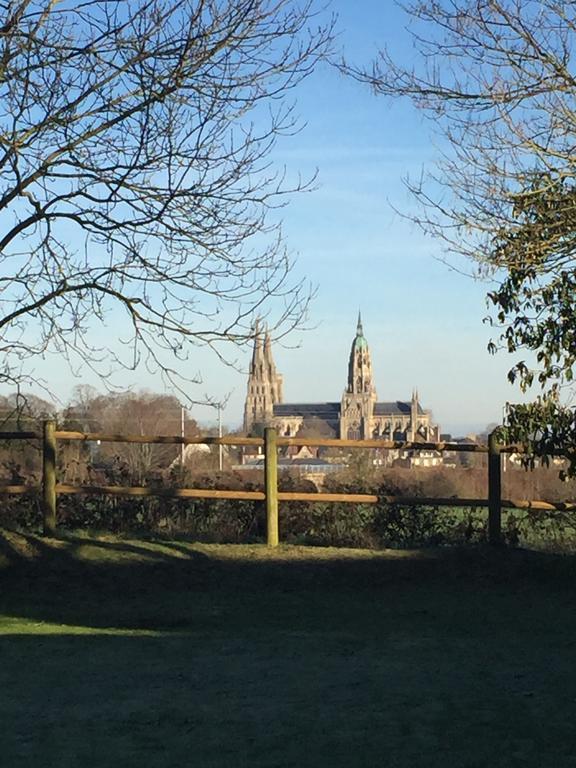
273 377
359 364
359 398
268 350
269 366
264 383
414 409
257 351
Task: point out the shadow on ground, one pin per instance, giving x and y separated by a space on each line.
132 653
167 585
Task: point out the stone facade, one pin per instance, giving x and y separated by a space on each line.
357 416
264 384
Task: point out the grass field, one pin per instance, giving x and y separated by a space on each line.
131 653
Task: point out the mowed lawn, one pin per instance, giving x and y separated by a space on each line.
133 653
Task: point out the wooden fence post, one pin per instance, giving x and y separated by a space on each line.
49 476
494 491
271 486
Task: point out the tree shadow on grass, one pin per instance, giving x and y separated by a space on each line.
169 586
296 658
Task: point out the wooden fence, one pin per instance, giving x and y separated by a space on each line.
271 495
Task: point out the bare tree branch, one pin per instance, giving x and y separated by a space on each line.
135 145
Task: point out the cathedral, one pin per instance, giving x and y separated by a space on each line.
357 416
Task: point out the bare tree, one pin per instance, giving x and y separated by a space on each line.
497 80
135 144
140 413
494 78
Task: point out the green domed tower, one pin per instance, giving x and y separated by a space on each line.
360 394
360 364
357 416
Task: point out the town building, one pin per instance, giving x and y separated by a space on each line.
357 415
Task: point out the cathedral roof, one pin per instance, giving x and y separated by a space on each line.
307 410
394 408
332 410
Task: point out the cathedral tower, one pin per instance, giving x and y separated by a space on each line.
360 394
264 383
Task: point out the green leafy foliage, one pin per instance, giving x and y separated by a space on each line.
535 306
543 429
535 301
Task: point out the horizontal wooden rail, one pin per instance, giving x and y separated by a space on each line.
344 498
18 490
200 493
169 493
544 506
211 493
358 498
382 444
234 440
270 495
105 437
398 445
259 442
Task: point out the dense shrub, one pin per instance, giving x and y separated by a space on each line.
555 531
335 524
21 512
209 519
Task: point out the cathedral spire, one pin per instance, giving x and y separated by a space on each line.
257 350
264 382
360 365
414 415
268 350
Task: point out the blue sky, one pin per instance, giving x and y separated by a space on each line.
423 321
